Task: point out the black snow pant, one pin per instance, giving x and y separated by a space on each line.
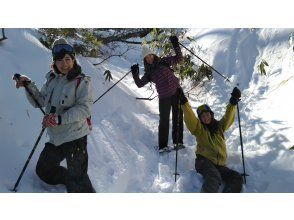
165 105
75 177
214 174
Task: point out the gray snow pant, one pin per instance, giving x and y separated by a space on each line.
75 177
213 175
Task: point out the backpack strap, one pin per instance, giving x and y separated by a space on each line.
79 79
89 122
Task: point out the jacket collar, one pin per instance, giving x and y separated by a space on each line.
77 70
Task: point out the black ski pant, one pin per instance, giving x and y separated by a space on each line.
75 176
165 105
214 174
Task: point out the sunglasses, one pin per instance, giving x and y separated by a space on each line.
62 48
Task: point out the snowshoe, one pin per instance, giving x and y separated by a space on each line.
179 146
165 149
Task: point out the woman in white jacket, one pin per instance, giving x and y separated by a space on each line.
68 91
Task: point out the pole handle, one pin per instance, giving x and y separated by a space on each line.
17 76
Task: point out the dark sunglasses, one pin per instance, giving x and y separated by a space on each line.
62 48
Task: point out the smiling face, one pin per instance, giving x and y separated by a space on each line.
65 64
149 58
206 118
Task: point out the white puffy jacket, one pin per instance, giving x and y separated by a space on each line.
73 103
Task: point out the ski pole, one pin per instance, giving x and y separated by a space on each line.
238 112
241 141
28 160
111 87
178 131
149 99
227 79
176 166
17 76
53 110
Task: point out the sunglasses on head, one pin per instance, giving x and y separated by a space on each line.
62 48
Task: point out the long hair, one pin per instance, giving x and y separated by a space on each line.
213 127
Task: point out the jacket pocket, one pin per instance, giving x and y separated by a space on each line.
67 98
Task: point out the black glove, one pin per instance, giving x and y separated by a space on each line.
135 69
174 41
236 95
183 98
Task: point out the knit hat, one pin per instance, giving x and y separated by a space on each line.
146 50
60 48
59 41
203 108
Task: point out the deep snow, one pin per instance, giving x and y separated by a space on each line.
121 153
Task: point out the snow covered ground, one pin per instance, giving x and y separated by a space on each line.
121 153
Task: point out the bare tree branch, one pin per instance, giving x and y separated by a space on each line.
133 42
103 43
110 56
125 35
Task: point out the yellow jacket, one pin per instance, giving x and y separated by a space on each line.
211 147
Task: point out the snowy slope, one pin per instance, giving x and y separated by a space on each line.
121 154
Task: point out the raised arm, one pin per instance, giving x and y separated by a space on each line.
191 121
139 82
172 60
229 117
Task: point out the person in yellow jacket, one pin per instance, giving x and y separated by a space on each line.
211 153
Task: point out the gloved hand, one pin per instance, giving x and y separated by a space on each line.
21 80
174 41
50 120
183 98
135 69
235 96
